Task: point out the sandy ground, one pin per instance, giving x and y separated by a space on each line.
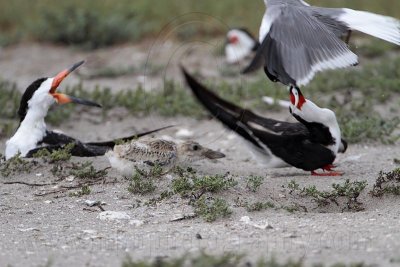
64 230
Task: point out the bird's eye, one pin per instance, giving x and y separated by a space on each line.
195 147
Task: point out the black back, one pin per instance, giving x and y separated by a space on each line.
23 106
292 142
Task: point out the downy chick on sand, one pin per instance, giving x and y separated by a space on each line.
147 153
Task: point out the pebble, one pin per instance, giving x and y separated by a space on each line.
113 216
136 223
263 225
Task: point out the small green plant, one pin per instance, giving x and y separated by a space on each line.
141 183
86 170
259 206
188 183
203 259
347 192
291 208
164 195
293 186
210 209
17 164
253 182
59 155
85 190
387 183
86 27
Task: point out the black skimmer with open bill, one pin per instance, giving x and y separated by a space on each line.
299 40
240 44
310 144
32 134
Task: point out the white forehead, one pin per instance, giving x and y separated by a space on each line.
44 87
42 96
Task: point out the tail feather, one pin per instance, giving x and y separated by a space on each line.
224 111
383 27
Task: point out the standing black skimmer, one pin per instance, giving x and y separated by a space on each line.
240 44
299 40
310 145
146 153
32 134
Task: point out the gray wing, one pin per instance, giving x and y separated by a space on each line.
298 45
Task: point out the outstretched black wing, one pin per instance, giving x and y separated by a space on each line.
54 141
288 141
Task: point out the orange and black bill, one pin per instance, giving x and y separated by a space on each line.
63 98
62 75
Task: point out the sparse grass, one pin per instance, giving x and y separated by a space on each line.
343 195
94 23
387 183
259 206
226 260
85 190
253 182
142 182
210 209
17 165
188 183
352 93
60 155
86 170
203 259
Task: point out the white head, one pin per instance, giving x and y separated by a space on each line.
34 105
310 112
190 151
239 45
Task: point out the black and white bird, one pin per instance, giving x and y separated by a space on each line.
240 44
32 133
299 40
310 144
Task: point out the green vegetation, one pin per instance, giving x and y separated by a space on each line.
203 259
210 209
343 195
85 190
354 94
94 23
141 183
63 154
253 182
387 183
259 206
188 183
225 260
86 170
17 165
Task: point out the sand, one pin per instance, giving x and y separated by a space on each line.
66 231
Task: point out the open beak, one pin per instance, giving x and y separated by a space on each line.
233 39
296 100
62 75
211 154
64 99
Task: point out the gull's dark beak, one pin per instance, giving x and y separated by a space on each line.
64 99
62 75
211 154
